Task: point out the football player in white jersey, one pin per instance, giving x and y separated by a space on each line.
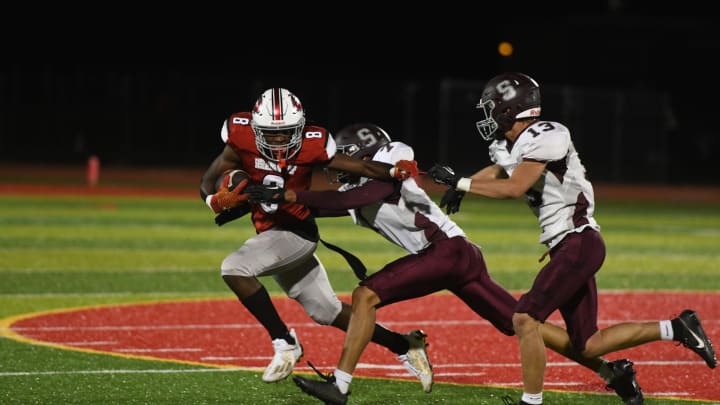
535 158
439 257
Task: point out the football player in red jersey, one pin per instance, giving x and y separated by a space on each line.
273 144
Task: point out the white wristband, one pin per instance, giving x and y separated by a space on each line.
463 184
392 172
208 200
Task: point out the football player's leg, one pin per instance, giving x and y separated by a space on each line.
482 294
556 284
314 292
579 258
309 285
360 329
408 277
240 271
391 340
580 311
557 339
576 264
618 375
241 268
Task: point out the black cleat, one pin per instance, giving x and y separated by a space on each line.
325 391
623 382
692 336
507 400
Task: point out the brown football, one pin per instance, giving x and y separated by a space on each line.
236 176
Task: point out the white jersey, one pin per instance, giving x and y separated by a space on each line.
562 199
412 222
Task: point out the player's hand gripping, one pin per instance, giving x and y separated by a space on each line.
452 199
404 169
444 175
259 193
225 199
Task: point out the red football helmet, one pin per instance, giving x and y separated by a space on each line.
507 98
278 111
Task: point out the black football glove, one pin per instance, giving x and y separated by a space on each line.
232 214
443 175
263 194
452 199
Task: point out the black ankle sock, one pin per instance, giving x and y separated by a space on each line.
394 341
262 308
289 339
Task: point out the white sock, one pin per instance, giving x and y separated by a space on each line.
605 373
666 330
342 380
534 399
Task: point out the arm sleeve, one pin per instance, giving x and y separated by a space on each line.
368 193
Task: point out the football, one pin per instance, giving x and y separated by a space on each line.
236 176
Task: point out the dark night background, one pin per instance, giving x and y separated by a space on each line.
638 91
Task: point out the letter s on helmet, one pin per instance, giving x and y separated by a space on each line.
358 140
278 111
507 98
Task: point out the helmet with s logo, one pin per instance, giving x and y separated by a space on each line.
358 140
507 98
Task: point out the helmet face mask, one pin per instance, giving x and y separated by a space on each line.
278 112
360 141
505 99
487 125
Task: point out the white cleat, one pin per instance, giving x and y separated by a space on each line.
416 360
285 358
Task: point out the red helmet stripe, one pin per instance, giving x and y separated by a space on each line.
277 104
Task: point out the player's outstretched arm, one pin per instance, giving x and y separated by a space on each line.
373 169
357 197
490 182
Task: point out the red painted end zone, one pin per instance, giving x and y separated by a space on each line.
464 348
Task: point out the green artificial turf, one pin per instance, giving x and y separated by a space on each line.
62 252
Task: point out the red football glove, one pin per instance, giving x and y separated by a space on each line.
225 199
404 169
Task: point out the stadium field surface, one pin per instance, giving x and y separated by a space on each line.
112 295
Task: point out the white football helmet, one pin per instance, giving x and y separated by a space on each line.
278 111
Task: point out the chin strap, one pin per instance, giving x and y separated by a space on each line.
356 264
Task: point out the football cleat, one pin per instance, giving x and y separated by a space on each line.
692 336
325 390
623 382
286 355
416 360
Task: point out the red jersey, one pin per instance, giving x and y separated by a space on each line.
318 147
